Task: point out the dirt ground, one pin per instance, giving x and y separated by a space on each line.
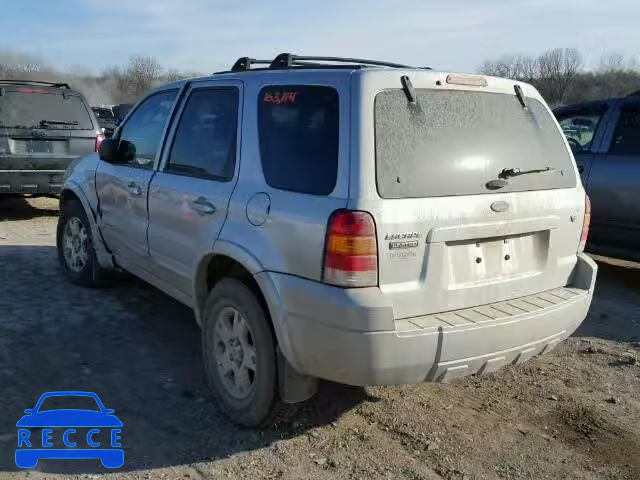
574 413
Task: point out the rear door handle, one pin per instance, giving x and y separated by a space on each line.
203 206
134 189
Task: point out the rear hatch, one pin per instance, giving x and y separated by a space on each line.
474 191
43 128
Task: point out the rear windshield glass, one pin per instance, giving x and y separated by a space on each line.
454 142
298 130
39 108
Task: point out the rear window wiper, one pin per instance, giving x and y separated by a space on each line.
58 122
516 172
520 95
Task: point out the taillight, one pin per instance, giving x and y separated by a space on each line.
99 139
585 224
351 251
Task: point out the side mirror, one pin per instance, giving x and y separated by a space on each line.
109 150
29 411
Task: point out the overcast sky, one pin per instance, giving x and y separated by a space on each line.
207 35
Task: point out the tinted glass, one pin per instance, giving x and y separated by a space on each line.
579 128
29 107
205 141
298 130
626 139
456 142
145 126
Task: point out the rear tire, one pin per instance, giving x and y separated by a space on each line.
74 242
239 354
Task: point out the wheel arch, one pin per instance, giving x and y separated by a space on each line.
72 191
232 260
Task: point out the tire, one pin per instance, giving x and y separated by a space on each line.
86 270
259 404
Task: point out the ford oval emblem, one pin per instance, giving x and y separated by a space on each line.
500 206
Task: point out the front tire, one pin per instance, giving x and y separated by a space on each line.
239 354
74 242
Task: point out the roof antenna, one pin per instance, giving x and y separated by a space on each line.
408 89
520 95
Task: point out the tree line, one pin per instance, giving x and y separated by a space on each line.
559 74
562 78
116 84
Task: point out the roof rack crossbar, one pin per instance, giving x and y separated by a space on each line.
35 82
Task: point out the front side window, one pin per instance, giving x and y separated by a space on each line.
143 130
298 130
205 140
579 128
626 139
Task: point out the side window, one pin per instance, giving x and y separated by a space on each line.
626 139
205 140
298 132
144 128
580 127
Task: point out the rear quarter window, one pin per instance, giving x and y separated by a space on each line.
298 135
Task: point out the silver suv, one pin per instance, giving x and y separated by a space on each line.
342 219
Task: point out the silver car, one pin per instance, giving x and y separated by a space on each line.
341 219
605 138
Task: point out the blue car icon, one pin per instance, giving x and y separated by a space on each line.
31 448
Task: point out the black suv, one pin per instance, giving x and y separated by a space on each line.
43 127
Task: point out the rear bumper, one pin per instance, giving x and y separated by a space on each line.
435 348
31 181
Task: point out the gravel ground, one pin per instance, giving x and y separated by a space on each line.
574 413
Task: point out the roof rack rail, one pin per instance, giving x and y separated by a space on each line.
35 82
289 60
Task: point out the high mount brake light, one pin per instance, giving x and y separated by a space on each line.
471 80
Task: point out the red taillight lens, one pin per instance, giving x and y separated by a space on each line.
99 139
351 250
585 224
